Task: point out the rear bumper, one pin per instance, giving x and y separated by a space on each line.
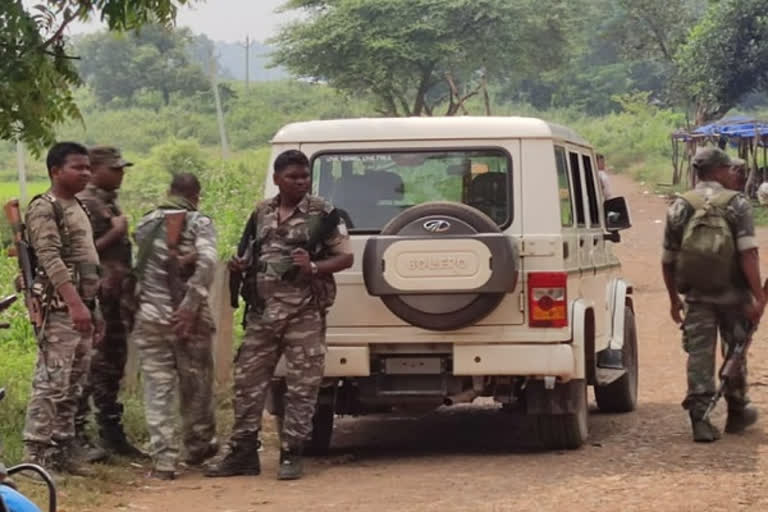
534 360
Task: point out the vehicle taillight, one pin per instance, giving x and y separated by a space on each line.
547 299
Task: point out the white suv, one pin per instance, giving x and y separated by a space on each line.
483 267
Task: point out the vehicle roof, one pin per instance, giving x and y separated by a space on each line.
424 128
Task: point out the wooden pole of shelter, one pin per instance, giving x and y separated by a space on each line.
675 163
223 316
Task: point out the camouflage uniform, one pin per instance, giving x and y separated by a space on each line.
289 322
109 357
166 359
706 314
64 354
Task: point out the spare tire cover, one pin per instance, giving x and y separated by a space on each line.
446 223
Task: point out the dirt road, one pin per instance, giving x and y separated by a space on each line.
476 458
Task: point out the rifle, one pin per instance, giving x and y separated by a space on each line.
324 229
731 367
25 256
174 224
245 250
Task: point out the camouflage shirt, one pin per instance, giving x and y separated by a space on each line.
77 264
102 206
738 216
284 298
198 236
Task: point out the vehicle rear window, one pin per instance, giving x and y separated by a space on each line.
371 188
566 204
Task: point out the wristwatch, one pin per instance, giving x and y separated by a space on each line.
313 267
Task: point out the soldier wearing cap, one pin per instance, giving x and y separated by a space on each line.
110 232
729 308
738 175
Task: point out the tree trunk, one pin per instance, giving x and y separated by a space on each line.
421 93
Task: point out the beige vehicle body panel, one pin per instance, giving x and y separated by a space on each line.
502 343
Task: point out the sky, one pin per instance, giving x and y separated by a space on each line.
220 20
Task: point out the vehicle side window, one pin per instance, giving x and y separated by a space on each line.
589 177
578 195
564 189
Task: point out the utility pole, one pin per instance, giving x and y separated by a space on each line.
247 47
22 171
219 111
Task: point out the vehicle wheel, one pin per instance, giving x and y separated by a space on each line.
565 431
621 394
322 431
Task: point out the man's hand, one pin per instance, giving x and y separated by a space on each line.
120 224
754 310
100 330
81 317
301 260
676 309
237 264
183 321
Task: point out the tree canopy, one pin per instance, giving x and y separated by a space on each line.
725 57
36 72
420 57
153 58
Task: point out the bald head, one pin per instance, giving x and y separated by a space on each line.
186 185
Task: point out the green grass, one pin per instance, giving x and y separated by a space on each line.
12 189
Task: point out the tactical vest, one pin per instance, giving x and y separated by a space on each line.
42 287
323 286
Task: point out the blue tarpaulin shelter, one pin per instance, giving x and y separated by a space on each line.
732 128
743 133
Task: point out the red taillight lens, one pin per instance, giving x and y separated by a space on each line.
547 299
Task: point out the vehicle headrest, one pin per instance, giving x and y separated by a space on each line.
491 186
388 186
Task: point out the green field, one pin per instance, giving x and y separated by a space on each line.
11 189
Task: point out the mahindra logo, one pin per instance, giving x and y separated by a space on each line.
437 226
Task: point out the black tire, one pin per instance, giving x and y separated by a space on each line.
621 394
479 305
565 431
322 421
472 216
322 431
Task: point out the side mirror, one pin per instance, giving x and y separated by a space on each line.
617 216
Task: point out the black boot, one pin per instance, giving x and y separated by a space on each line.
703 430
237 458
84 449
739 418
114 440
39 454
291 463
65 460
196 459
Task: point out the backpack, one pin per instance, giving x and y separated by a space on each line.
707 261
47 295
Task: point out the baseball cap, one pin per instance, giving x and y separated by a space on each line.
711 158
107 155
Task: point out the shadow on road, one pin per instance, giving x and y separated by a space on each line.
655 437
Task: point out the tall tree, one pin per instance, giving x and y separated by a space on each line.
726 57
153 58
36 72
420 57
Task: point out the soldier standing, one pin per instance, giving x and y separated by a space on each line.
288 295
174 341
718 273
110 231
67 283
